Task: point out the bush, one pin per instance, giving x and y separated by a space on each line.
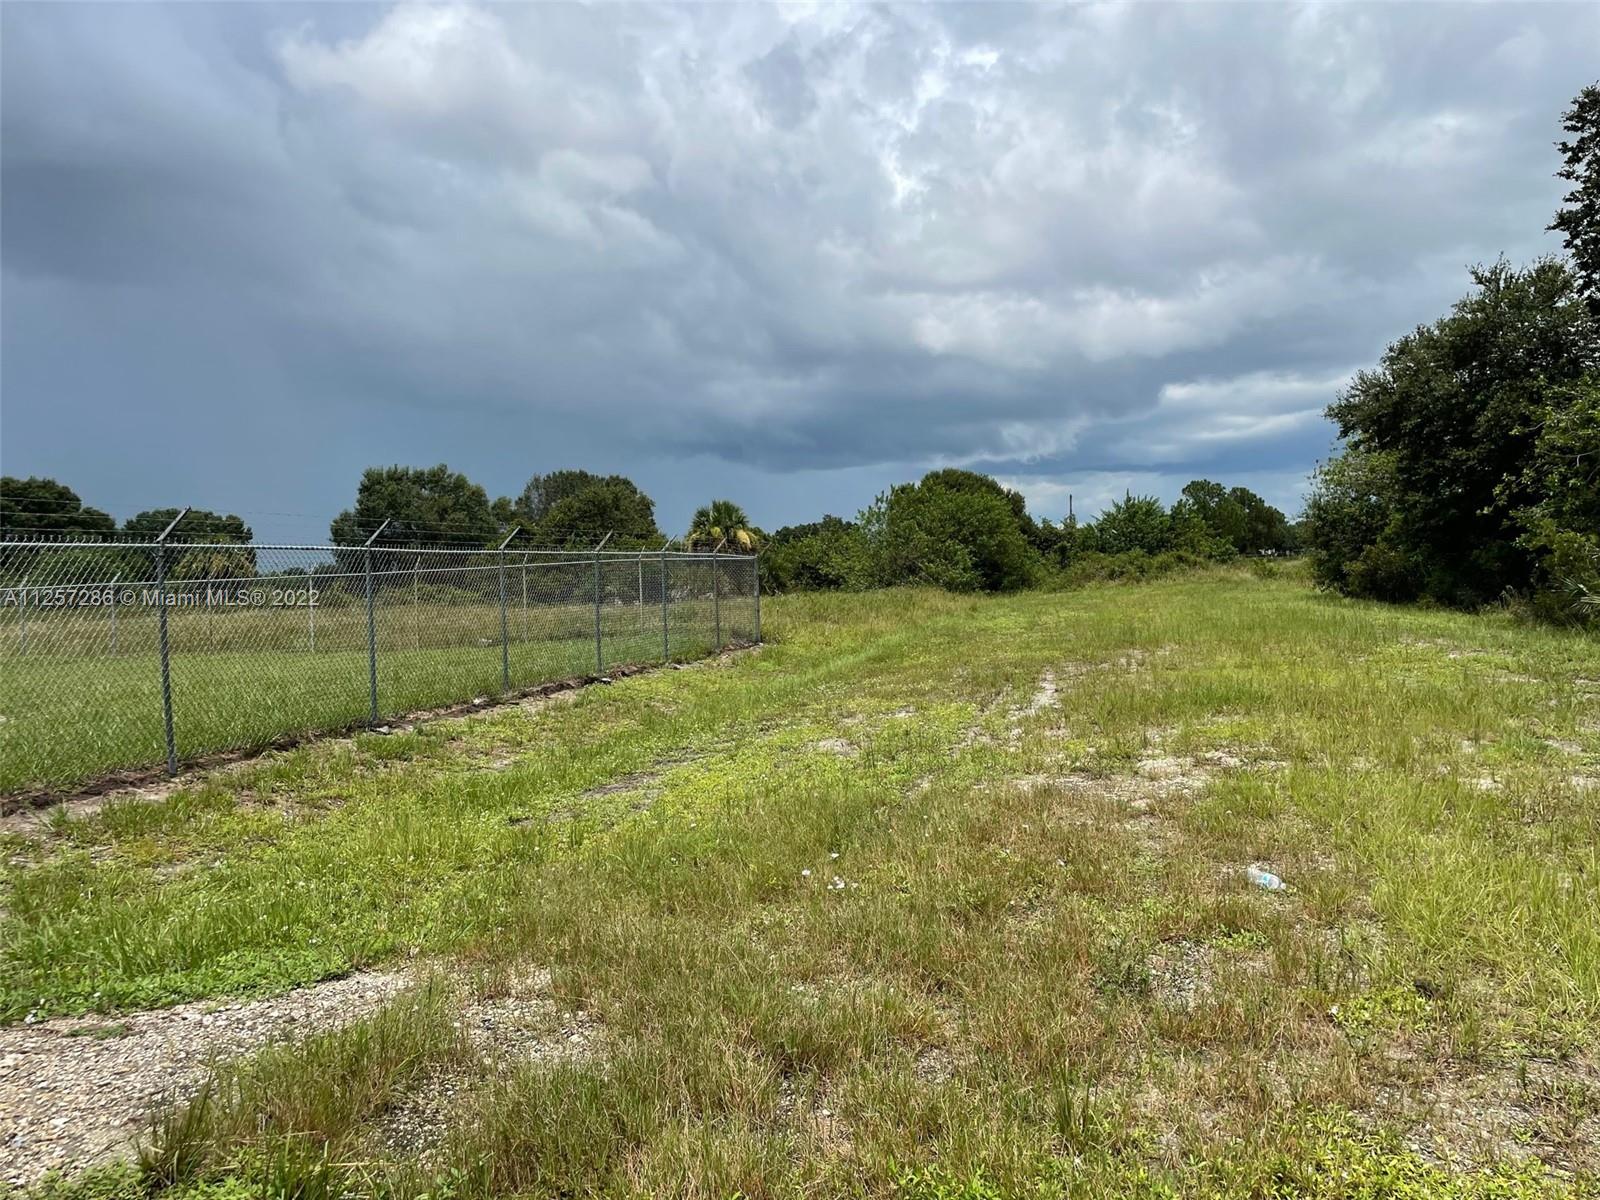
1129 566
830 554
1135 523
950 535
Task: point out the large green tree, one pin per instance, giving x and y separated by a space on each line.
1134 523
957 479
1237 518
1221 512
613 506
1561 525
211 545
578 508
951 532
1455 408
1578 219
1471 464
198 525
424 506
42 508
1350 520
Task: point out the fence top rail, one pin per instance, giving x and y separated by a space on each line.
436 576
583 555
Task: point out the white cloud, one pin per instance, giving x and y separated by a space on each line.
418 59
1057 240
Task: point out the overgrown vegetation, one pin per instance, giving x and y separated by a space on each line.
966 533
1471 462
937 897
1470 467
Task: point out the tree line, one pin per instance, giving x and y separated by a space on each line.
423 507
566 509
953 529
964 531
35 508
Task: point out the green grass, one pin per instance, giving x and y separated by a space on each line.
855 915
239 681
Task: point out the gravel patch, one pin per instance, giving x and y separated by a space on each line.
1182 975
522 1025
77 1090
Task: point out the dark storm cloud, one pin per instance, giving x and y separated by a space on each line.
249 250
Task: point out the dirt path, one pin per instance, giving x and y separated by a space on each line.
76 1090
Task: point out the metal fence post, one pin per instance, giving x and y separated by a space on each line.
166 662
716 593
755 568
599 642
666 639
372 627
505 636
114 583
166 657
599 645
372 642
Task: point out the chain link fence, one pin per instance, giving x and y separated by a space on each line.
123 655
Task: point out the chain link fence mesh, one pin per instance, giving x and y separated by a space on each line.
125 655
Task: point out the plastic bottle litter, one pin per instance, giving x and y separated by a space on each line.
1265 879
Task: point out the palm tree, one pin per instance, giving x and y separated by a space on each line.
1588 598
721 520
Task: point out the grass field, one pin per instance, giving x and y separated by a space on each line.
243 679
930 897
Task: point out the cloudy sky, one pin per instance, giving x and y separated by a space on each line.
789 255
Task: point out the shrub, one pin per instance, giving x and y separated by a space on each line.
950 535
1133 523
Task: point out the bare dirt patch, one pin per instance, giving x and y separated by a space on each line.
1129 660
35 819
1470 1114
623 783
1143 801
76 1090
1044 696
